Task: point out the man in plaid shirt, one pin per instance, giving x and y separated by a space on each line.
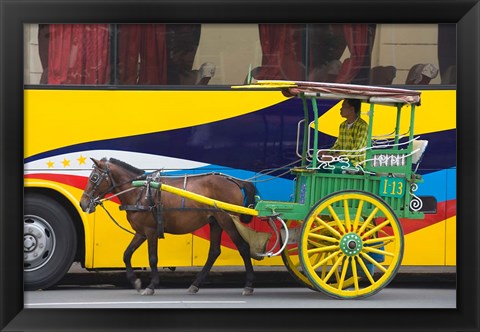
352 134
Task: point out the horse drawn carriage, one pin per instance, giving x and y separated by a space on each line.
340 235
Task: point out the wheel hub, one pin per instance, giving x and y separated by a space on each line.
29 243
351 244
38 242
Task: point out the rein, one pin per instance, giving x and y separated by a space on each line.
94 178
113 219
115 195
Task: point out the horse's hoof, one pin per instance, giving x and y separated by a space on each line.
148 291
138 285
193 289
247 291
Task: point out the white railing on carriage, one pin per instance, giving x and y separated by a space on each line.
418 149
389 138
384 159
379 140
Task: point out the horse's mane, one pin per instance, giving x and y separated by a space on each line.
126 166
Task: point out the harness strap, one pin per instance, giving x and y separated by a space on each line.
154 207
158 215
139 208
184 188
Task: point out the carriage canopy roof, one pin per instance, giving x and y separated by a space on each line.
371 94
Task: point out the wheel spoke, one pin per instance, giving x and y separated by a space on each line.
324 267
365 270
322 249
325 260
355 274
334 268
323 237
358 216
369 219
381 240
297 265
330 228
344 273
293 251
378 251
348 223
337 274
374 262
318 257
315 244
337 220
375 229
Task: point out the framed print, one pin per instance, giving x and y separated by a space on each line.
337 42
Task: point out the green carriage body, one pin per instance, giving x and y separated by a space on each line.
395 184
312 186
343 236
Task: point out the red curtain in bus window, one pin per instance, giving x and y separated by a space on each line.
128 53
281 52
78 54
356 36
142 54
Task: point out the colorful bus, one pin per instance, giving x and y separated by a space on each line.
160 97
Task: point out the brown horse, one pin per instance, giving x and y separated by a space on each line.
150 212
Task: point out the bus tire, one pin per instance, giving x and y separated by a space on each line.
49 242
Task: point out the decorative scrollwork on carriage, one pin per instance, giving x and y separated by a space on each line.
416 202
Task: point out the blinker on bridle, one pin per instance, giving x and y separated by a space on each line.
95 178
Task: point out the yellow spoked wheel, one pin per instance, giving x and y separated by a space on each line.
290 255
292 262
350 245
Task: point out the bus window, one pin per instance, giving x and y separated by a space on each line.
142 54
232 54
74 53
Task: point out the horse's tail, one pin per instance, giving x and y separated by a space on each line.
249 191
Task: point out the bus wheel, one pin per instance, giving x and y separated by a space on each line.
49 242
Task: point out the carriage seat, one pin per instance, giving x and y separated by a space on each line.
419 147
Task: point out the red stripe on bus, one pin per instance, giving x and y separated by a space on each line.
445 210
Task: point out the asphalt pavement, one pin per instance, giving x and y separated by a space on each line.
266 276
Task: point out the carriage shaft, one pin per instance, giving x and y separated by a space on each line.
198 198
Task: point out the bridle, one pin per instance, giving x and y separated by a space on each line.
96 178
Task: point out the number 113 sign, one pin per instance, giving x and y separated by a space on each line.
392 187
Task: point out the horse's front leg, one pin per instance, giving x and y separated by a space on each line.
152 240
137 240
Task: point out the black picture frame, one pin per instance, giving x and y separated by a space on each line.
466 13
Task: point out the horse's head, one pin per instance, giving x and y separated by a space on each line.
99 184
